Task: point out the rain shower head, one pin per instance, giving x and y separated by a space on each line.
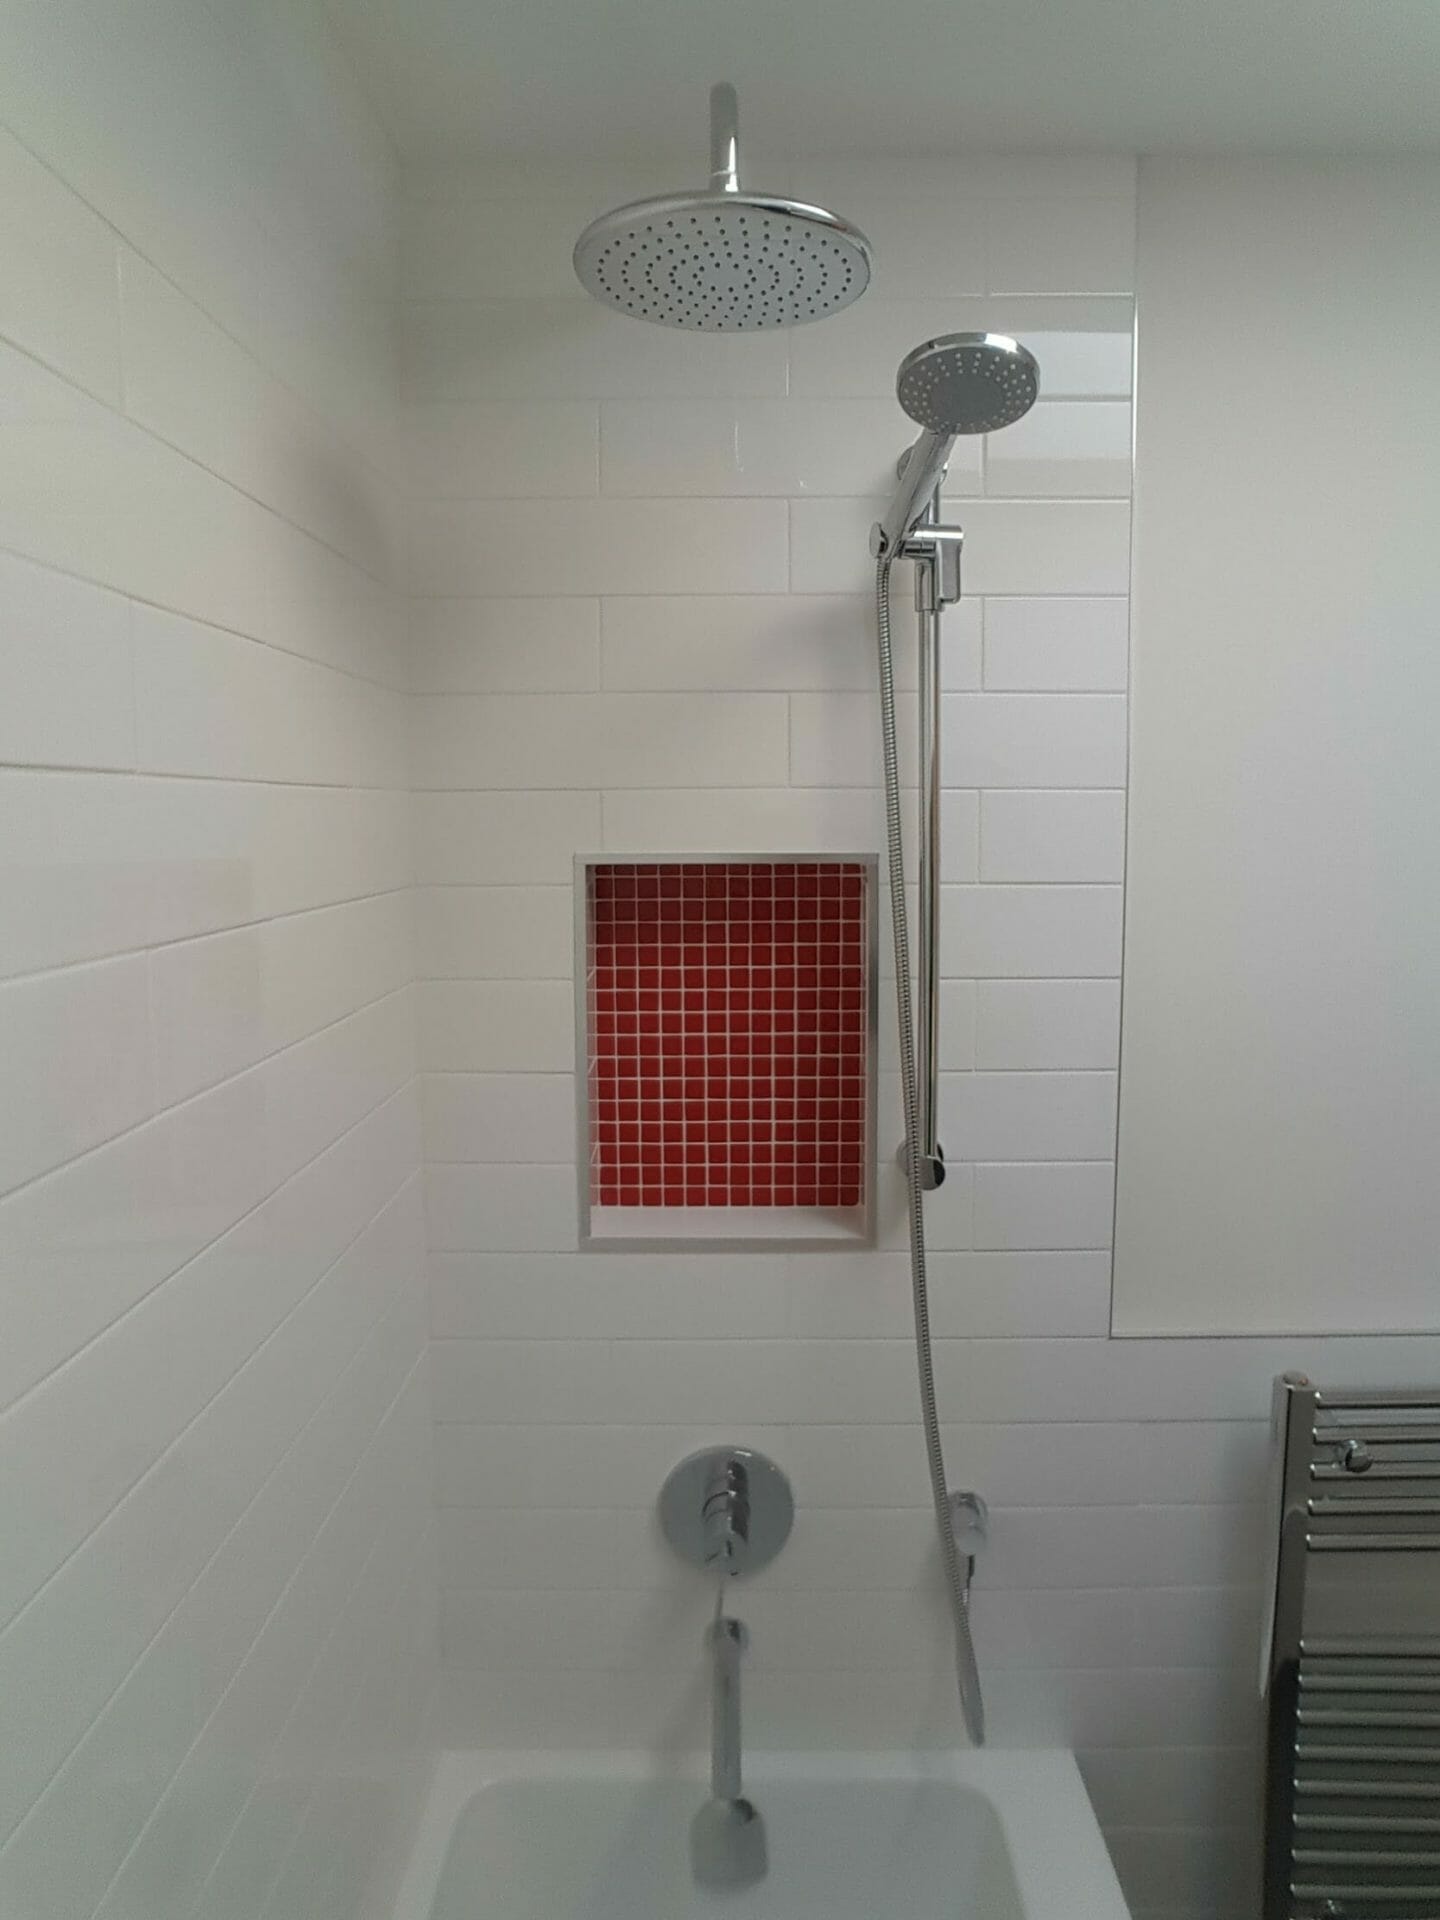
960 383
968 383
723 261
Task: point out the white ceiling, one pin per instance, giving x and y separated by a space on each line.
621 79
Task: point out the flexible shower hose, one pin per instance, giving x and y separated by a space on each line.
967 1674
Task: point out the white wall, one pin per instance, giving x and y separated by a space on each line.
1281 1099
215 1616
641 622
215 1606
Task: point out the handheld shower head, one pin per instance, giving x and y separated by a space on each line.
960 383
968 383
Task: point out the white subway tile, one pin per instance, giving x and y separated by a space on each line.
835 742
1044 1630
526 1208
496 1026
492 249
1059 1547
214 704
1220 1463
1052 836
742 820
85 490
1047 1023
240 851
82 1245
1039 646
740 642
192 384
565 349
498 1116
113 1780
1031 932
834 1633
601 740
66 671
1028 1116
61 1439
544 1463
60 300
1011 547
598 546
927 245
1084 346
776 1381
515 933
78 1064
1045 546
1033 740
318 1089
1072 448
1037 1206
469 839
956 1035
956 1038
504 646
316 967
540 1552
1206 1626
708 1295
804 643
73 869
502 449
208 1000
1068 245
949 1211
663 448
558 1711
841 1295
862 1548
508 1380
1045 1463
546 1630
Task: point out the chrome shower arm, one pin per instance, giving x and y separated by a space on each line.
724 139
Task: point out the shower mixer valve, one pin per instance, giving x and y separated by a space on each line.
727 1510
725 1515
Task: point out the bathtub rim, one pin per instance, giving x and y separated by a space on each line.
1061 1863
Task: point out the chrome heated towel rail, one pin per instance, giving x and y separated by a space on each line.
1351 1668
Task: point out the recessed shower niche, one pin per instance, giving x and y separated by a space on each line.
725 1012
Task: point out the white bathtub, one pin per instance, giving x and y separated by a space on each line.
966 1836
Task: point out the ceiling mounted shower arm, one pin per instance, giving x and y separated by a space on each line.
724 139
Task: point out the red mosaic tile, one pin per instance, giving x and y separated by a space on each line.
726 1009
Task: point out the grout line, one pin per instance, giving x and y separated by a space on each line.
219 932
365 1457
230 1079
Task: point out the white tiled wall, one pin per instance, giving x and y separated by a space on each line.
216 1613
642 623
639 622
